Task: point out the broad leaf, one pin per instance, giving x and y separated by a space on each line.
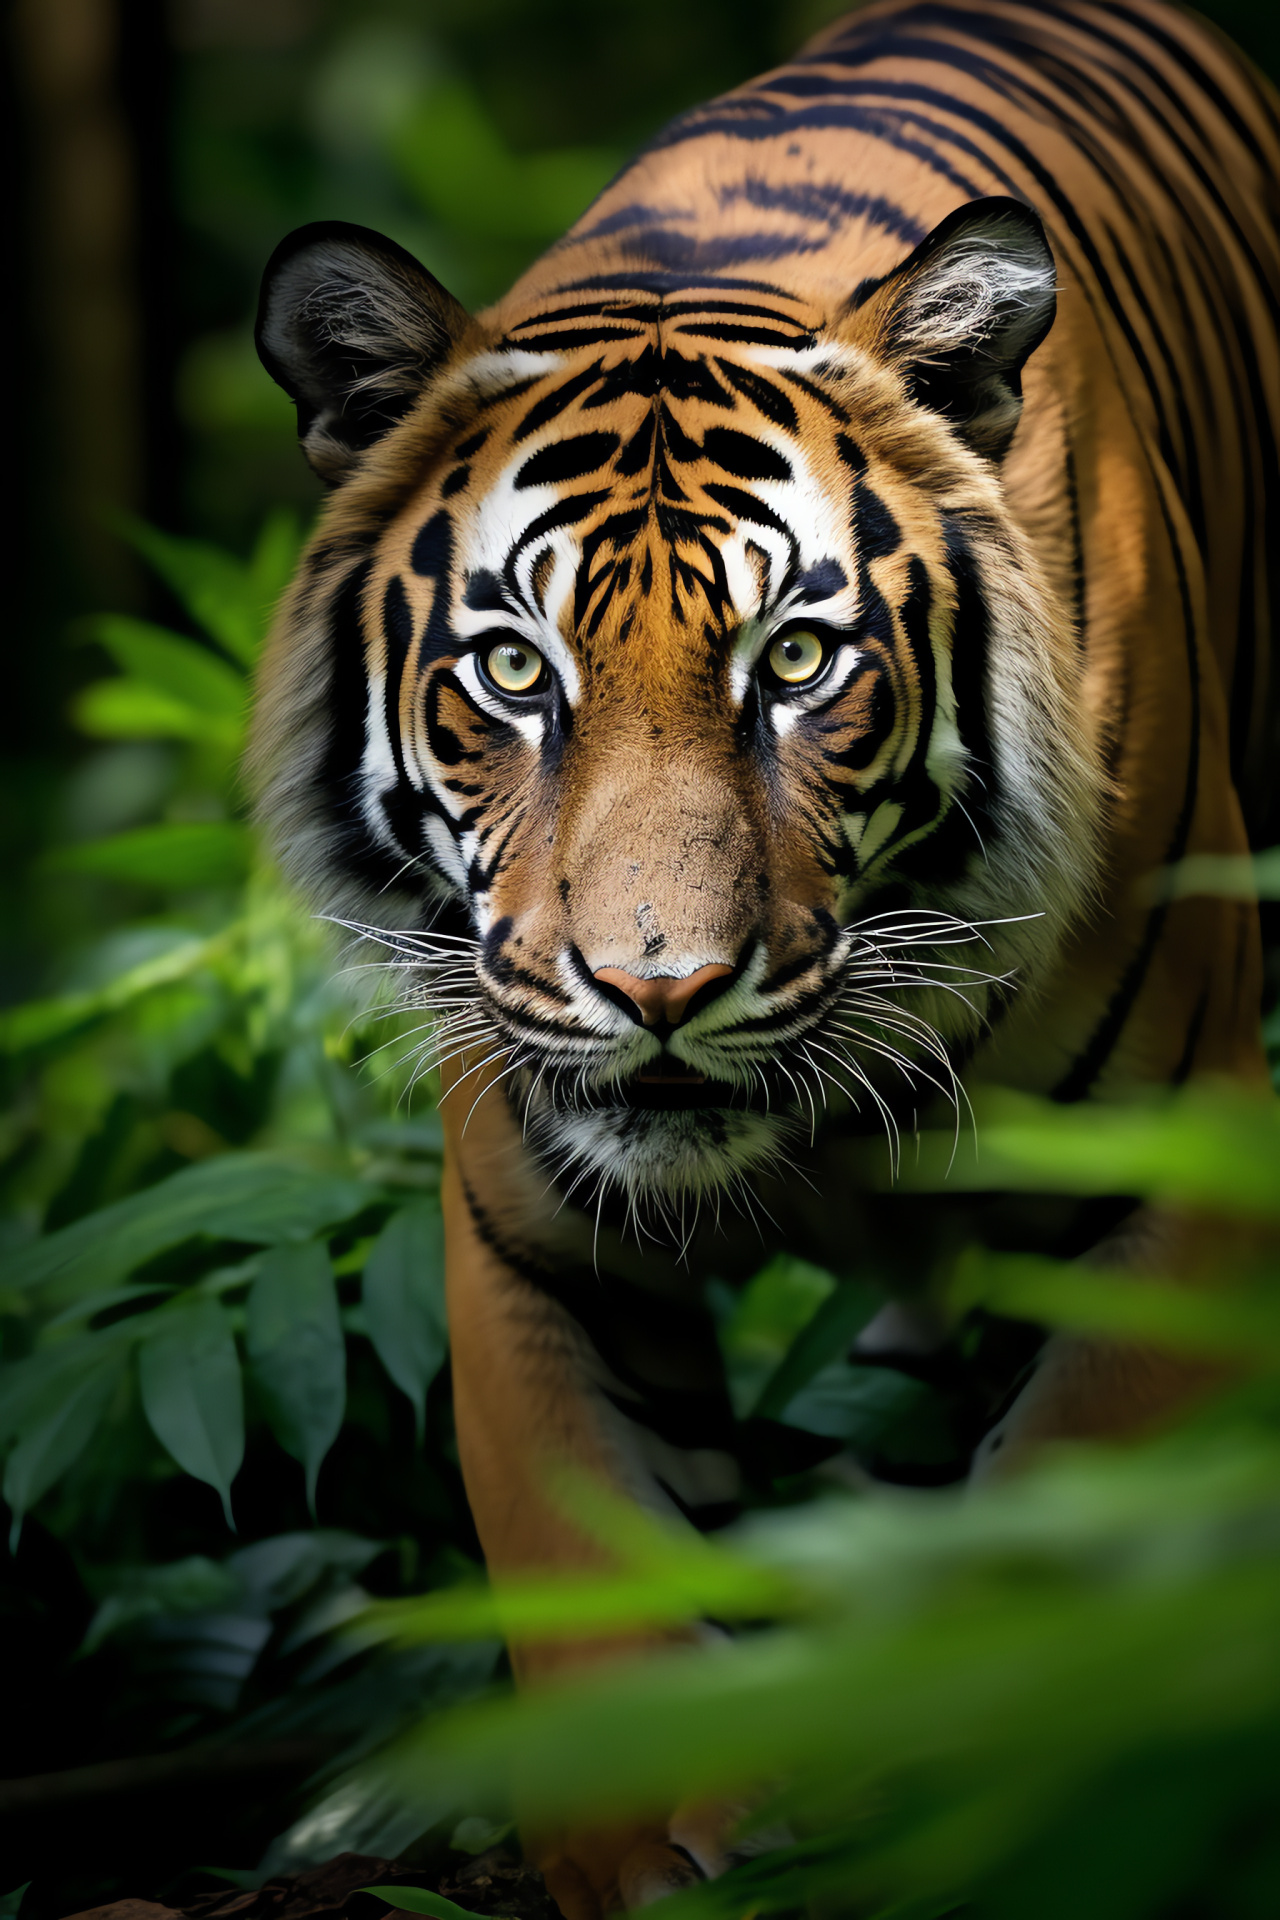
883 1415
829 1334
185 854
195 1584
234 1196
297 1354
132 710
216 589
59 1419
31 1386
183 669
189 1373
279 1570
37 1022
404 1301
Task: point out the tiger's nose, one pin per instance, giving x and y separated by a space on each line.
664 1001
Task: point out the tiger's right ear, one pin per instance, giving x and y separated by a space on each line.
961 315
352 327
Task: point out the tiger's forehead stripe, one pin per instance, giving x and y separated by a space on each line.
640 460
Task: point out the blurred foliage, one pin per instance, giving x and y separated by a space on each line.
1059 1695
220 1257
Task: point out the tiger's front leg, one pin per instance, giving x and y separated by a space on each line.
634 1399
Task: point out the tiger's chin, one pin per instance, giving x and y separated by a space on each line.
660 1154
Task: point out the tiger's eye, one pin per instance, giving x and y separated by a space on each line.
796 657
513 667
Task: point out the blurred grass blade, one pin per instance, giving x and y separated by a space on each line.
1214 1148
668 1576
944 1677
403 1294
1239 1322
568 1606
297 1354
189 1373
186 855
1234 876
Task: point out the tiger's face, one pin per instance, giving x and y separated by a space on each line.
688 645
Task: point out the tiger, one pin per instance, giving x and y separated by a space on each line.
745 679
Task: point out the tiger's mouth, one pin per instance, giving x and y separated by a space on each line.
663 1086
669 1086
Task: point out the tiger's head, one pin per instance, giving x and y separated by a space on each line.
669 683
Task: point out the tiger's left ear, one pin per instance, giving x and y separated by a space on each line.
353 328
961 315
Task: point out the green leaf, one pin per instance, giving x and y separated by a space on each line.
186 854
882 1414
10 1903
830 1332
297 1354
765 1319
404 1301
253 1197
38 1381
420 1900
59 1419
195 1584
217 590
181 668
1123 1602
40 1021
475 1834
132 710
189 1373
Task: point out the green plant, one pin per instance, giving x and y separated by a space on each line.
222 1244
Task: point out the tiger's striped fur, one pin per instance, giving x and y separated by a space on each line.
796 371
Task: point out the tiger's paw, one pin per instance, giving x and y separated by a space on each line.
593 1874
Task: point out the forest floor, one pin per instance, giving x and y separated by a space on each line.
496 1883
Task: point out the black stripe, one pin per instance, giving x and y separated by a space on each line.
1089 1063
